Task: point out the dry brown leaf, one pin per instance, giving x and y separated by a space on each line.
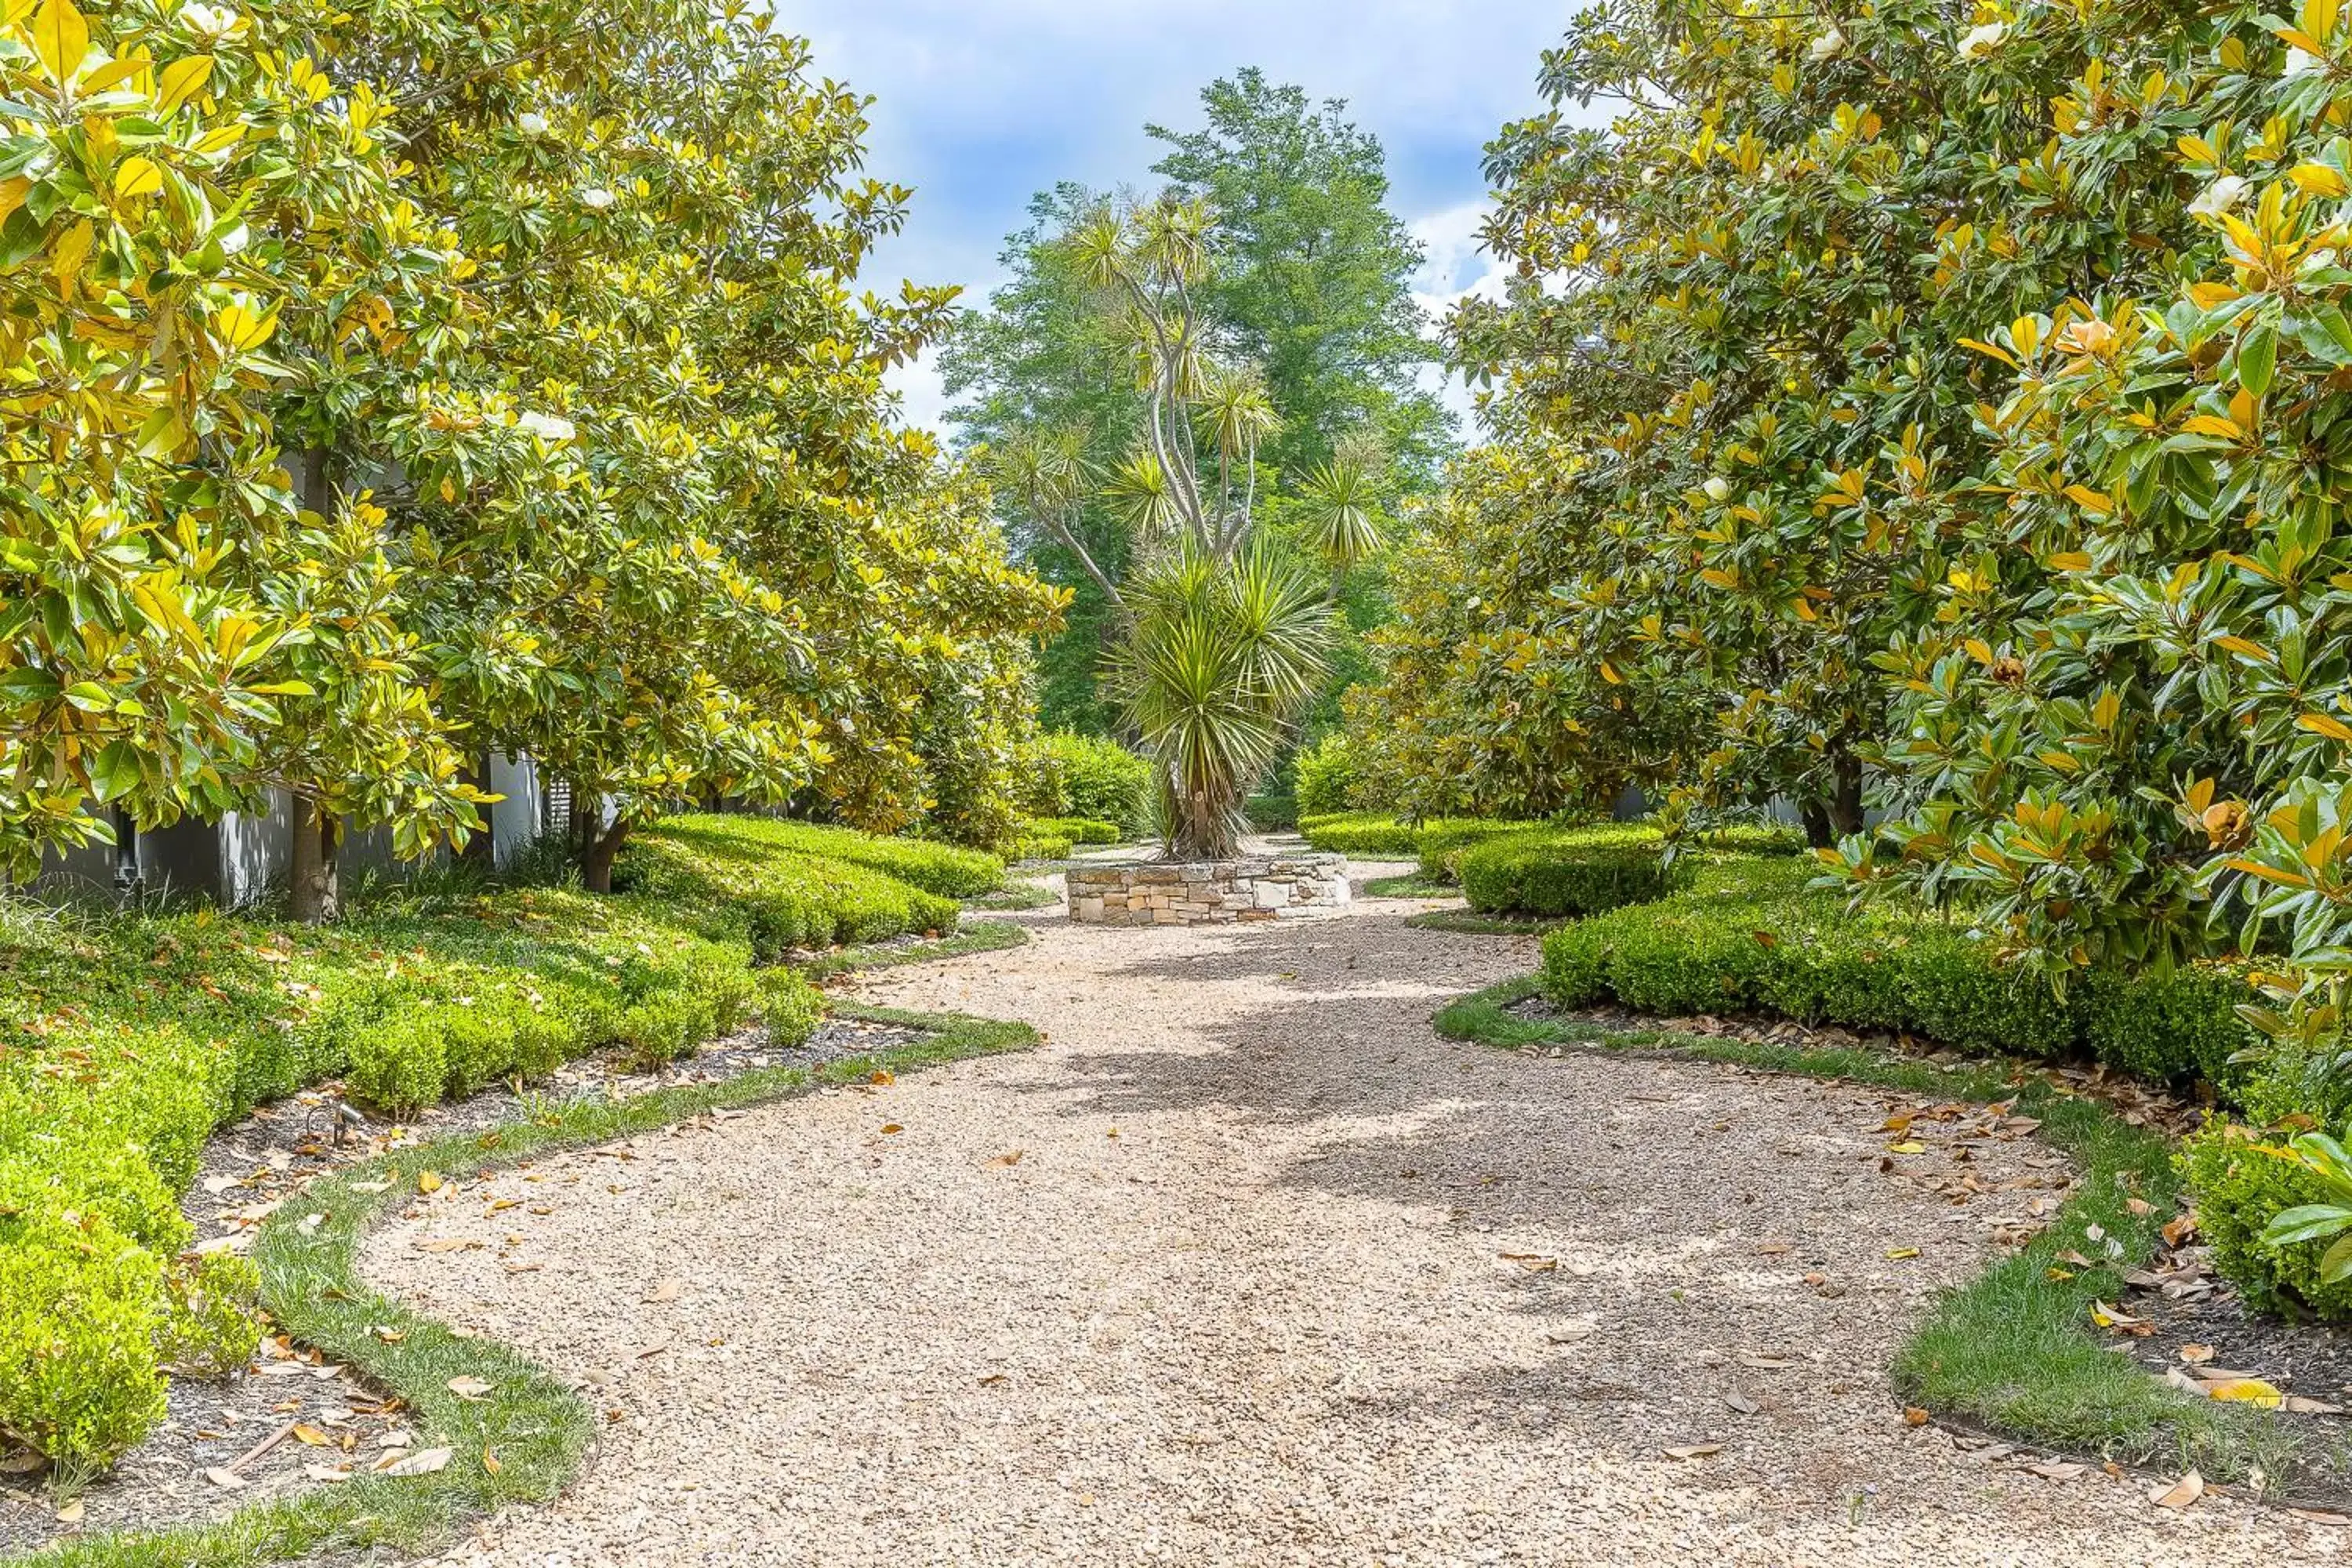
2197 1356
2179 1230
1741 1403
1914 1417
667 1290
2180 1494
445 1244
2320 1516
2057 1469
892 1126
1533 1262
2302 1406
1010 1157
225 1479
1771 1248
329 1473
883 1076
1695 1451
424 1462
1568 1333
311 1437
469 1387
70 1513
2107 1315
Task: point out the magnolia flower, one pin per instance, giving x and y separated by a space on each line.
1829 45
210 21
1718 489
2220 196
2301 60
1982 42
547 426
531 124
596 198
1652 174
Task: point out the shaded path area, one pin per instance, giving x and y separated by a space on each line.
1246 1265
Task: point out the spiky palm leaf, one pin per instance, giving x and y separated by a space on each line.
1340 506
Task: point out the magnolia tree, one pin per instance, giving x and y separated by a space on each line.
1222 638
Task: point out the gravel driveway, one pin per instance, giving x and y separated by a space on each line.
1246 1265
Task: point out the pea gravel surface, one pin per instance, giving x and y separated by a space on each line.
1243 1265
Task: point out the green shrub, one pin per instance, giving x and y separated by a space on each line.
1088 776
1077 829
737 881
1750 936
1043 844
1443 841
1362 833
81 1316
2238 1189
1568 873
210 1328
1272 813
1327 777
788 1007
948 869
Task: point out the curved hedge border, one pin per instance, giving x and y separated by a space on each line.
2010 1350
1570 872
537 1430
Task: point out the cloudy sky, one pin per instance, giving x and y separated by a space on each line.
983 102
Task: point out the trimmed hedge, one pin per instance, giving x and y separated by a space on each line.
948 869
1077 829
734 877
1749 937
1568 873
125 1041
1088 776
1379 833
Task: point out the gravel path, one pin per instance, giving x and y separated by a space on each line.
1246 1265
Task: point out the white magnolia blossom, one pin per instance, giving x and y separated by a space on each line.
2220 196
531 123
1718 489
210 21
547 427
1829 45
596 198
1980 41
2298 61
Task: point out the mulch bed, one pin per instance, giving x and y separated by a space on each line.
292 1417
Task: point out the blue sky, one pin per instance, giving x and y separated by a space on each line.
981 104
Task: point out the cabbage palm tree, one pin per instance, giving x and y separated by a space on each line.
1224 646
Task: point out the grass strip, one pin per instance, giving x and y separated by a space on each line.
1470 922
1411 885
1015 897
526 1440
2011 1352
980 936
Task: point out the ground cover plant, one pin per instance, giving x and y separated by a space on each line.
129 1038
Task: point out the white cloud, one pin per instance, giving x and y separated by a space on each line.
922 392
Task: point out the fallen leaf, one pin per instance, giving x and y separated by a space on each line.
2107 1315
2177 1231
1568 1333
1695 1451
445 1244
428 1181
329 1473
310 1436
1741 1403
370 1186
70 1513
888 1127
2302 1406
2180 1494
1906 1148
1914 1417
1766 1362
1899 1253
1895 1124
490 1461
2057 1469
1012 1157
1533 1262
217 1185
2197 1356
2140 1206
424 1462
2320 1516
228 1479
667 1290
390 1336
469 1387
1771 1248
2244 1391
992 1380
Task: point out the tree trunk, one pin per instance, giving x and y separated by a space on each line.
1845 799
596 860
1819 834
478 848
313 884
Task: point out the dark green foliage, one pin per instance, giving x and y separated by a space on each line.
1750 936
1575 871
1087 776
732 875
2240 1188
1362 833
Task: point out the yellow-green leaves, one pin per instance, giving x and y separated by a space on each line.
60 40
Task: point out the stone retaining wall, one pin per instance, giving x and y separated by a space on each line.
1207 892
